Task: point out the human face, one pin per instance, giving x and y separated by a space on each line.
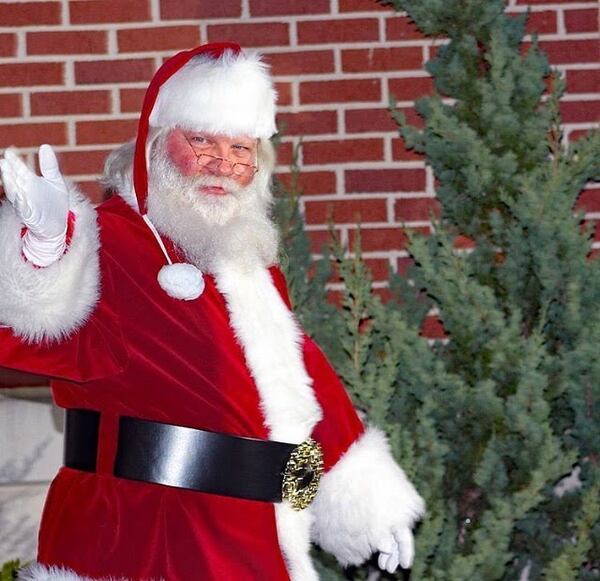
184 147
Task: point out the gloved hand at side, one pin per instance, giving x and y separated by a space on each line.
41 202
398 549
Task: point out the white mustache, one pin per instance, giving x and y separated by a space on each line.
228 184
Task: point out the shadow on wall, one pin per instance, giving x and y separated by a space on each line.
31 432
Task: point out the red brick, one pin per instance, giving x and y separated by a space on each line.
400 153
284 7
575 134
542 22
313 182
410 89
113 71
297 63
340 91
10 105
33 134
158 38
582 20
403 264
112 131
96 11
545 22
77 162
433 328
66 42
252 34
93 190
580 111
416 209
342 150
8 44
31 74
196 9
285 152
382 59
284 93
402 28
377 239
463 242
379 268
583 81
385 180
345 211
70 102
589 200
307 122
571 51
320 239
131 100
29 13
362 120
336 31
361 6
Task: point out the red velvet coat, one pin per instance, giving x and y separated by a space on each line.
145 354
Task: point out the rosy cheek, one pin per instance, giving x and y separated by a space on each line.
182 157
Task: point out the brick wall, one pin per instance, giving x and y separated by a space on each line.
72 73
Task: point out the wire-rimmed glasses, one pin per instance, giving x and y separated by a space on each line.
238 168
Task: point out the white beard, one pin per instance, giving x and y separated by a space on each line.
212 230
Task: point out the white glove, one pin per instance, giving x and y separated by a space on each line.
398 549
42 204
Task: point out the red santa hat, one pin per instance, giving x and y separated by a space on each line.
216 87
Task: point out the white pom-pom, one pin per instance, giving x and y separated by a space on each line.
181 281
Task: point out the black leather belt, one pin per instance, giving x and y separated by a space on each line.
199 460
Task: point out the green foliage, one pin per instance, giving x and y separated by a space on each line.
306 279
489 422
9 570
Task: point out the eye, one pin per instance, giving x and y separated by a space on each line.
240 147
198 140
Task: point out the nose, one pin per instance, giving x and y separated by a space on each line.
220 167
225 167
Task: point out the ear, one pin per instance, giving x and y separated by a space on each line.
266 155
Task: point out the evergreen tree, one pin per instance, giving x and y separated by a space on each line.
493 423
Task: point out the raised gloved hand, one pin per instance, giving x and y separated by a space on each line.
41 202
397 549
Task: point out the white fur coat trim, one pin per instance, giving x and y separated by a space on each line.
39 572
271 340
52 302
361 499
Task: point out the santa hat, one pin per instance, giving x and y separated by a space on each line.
218 88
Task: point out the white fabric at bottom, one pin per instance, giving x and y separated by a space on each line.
39 572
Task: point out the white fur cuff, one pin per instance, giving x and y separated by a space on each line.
361 499
52 302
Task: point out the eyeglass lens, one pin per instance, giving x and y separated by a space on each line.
237 168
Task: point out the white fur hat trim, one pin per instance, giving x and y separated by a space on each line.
231 95
181 281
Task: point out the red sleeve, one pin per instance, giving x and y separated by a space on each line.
340 425
94 351
88 354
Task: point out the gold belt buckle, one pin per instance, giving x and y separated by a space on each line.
302 474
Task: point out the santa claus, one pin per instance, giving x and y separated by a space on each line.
207 436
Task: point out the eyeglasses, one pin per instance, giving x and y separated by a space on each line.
238 168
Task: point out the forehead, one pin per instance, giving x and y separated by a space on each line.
216 137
